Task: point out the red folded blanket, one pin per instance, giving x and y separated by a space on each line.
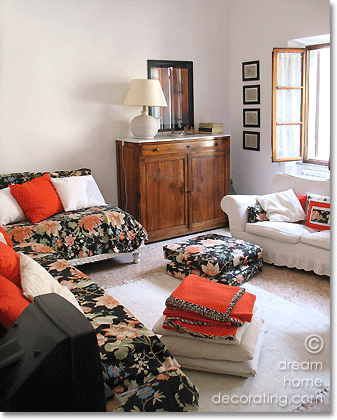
213 301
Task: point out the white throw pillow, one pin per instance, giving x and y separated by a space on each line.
78 192
10 210
35 281
282 207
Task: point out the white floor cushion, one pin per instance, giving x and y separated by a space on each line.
179 346
243 369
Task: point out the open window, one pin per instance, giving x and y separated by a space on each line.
301 104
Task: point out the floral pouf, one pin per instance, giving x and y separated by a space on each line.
216 257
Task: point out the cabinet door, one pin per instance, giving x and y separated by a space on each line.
163 196
209 183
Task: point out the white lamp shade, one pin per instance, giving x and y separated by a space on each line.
145 92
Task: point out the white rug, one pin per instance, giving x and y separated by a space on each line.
288 374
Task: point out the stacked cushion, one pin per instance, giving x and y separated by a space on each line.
218 258
193 346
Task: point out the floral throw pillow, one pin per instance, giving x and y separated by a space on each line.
256 214
318 214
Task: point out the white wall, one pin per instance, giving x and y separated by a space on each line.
256 27
66 66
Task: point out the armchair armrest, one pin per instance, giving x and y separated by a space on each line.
235 206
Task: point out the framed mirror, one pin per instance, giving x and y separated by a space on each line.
176 79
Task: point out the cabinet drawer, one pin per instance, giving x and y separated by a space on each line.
184 146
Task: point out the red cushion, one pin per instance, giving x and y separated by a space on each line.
37 198
10 264
318 216
12 302
303 200
6 236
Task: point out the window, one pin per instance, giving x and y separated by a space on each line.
301 104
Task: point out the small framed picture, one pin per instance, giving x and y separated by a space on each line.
251 94
251 117
250 71
251 140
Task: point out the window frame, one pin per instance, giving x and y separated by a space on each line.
275 89
304 105
305 146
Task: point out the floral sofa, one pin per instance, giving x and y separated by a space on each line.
81 236
285 243
135 363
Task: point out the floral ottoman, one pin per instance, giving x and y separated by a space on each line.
216 257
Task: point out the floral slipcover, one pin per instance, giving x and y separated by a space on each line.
81 233
219 258
21 177
133 357
233 277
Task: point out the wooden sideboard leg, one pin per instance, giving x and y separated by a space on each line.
136 257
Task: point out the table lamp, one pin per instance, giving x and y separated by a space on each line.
145 92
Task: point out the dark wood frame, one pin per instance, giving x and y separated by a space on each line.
257 133
245 111
177 64
251 63
257 101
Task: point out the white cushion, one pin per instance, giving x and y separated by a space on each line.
282 207
244 369
216 349
10 210
35 281
280 231
319 239
78 192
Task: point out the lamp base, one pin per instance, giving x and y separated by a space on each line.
144 126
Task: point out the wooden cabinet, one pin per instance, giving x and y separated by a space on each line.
174 186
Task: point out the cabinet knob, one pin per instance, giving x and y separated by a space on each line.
217 143
188 146
156 149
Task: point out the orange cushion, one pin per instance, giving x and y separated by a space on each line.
318 216
303 200
10 264
6 237
12 302
37 198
